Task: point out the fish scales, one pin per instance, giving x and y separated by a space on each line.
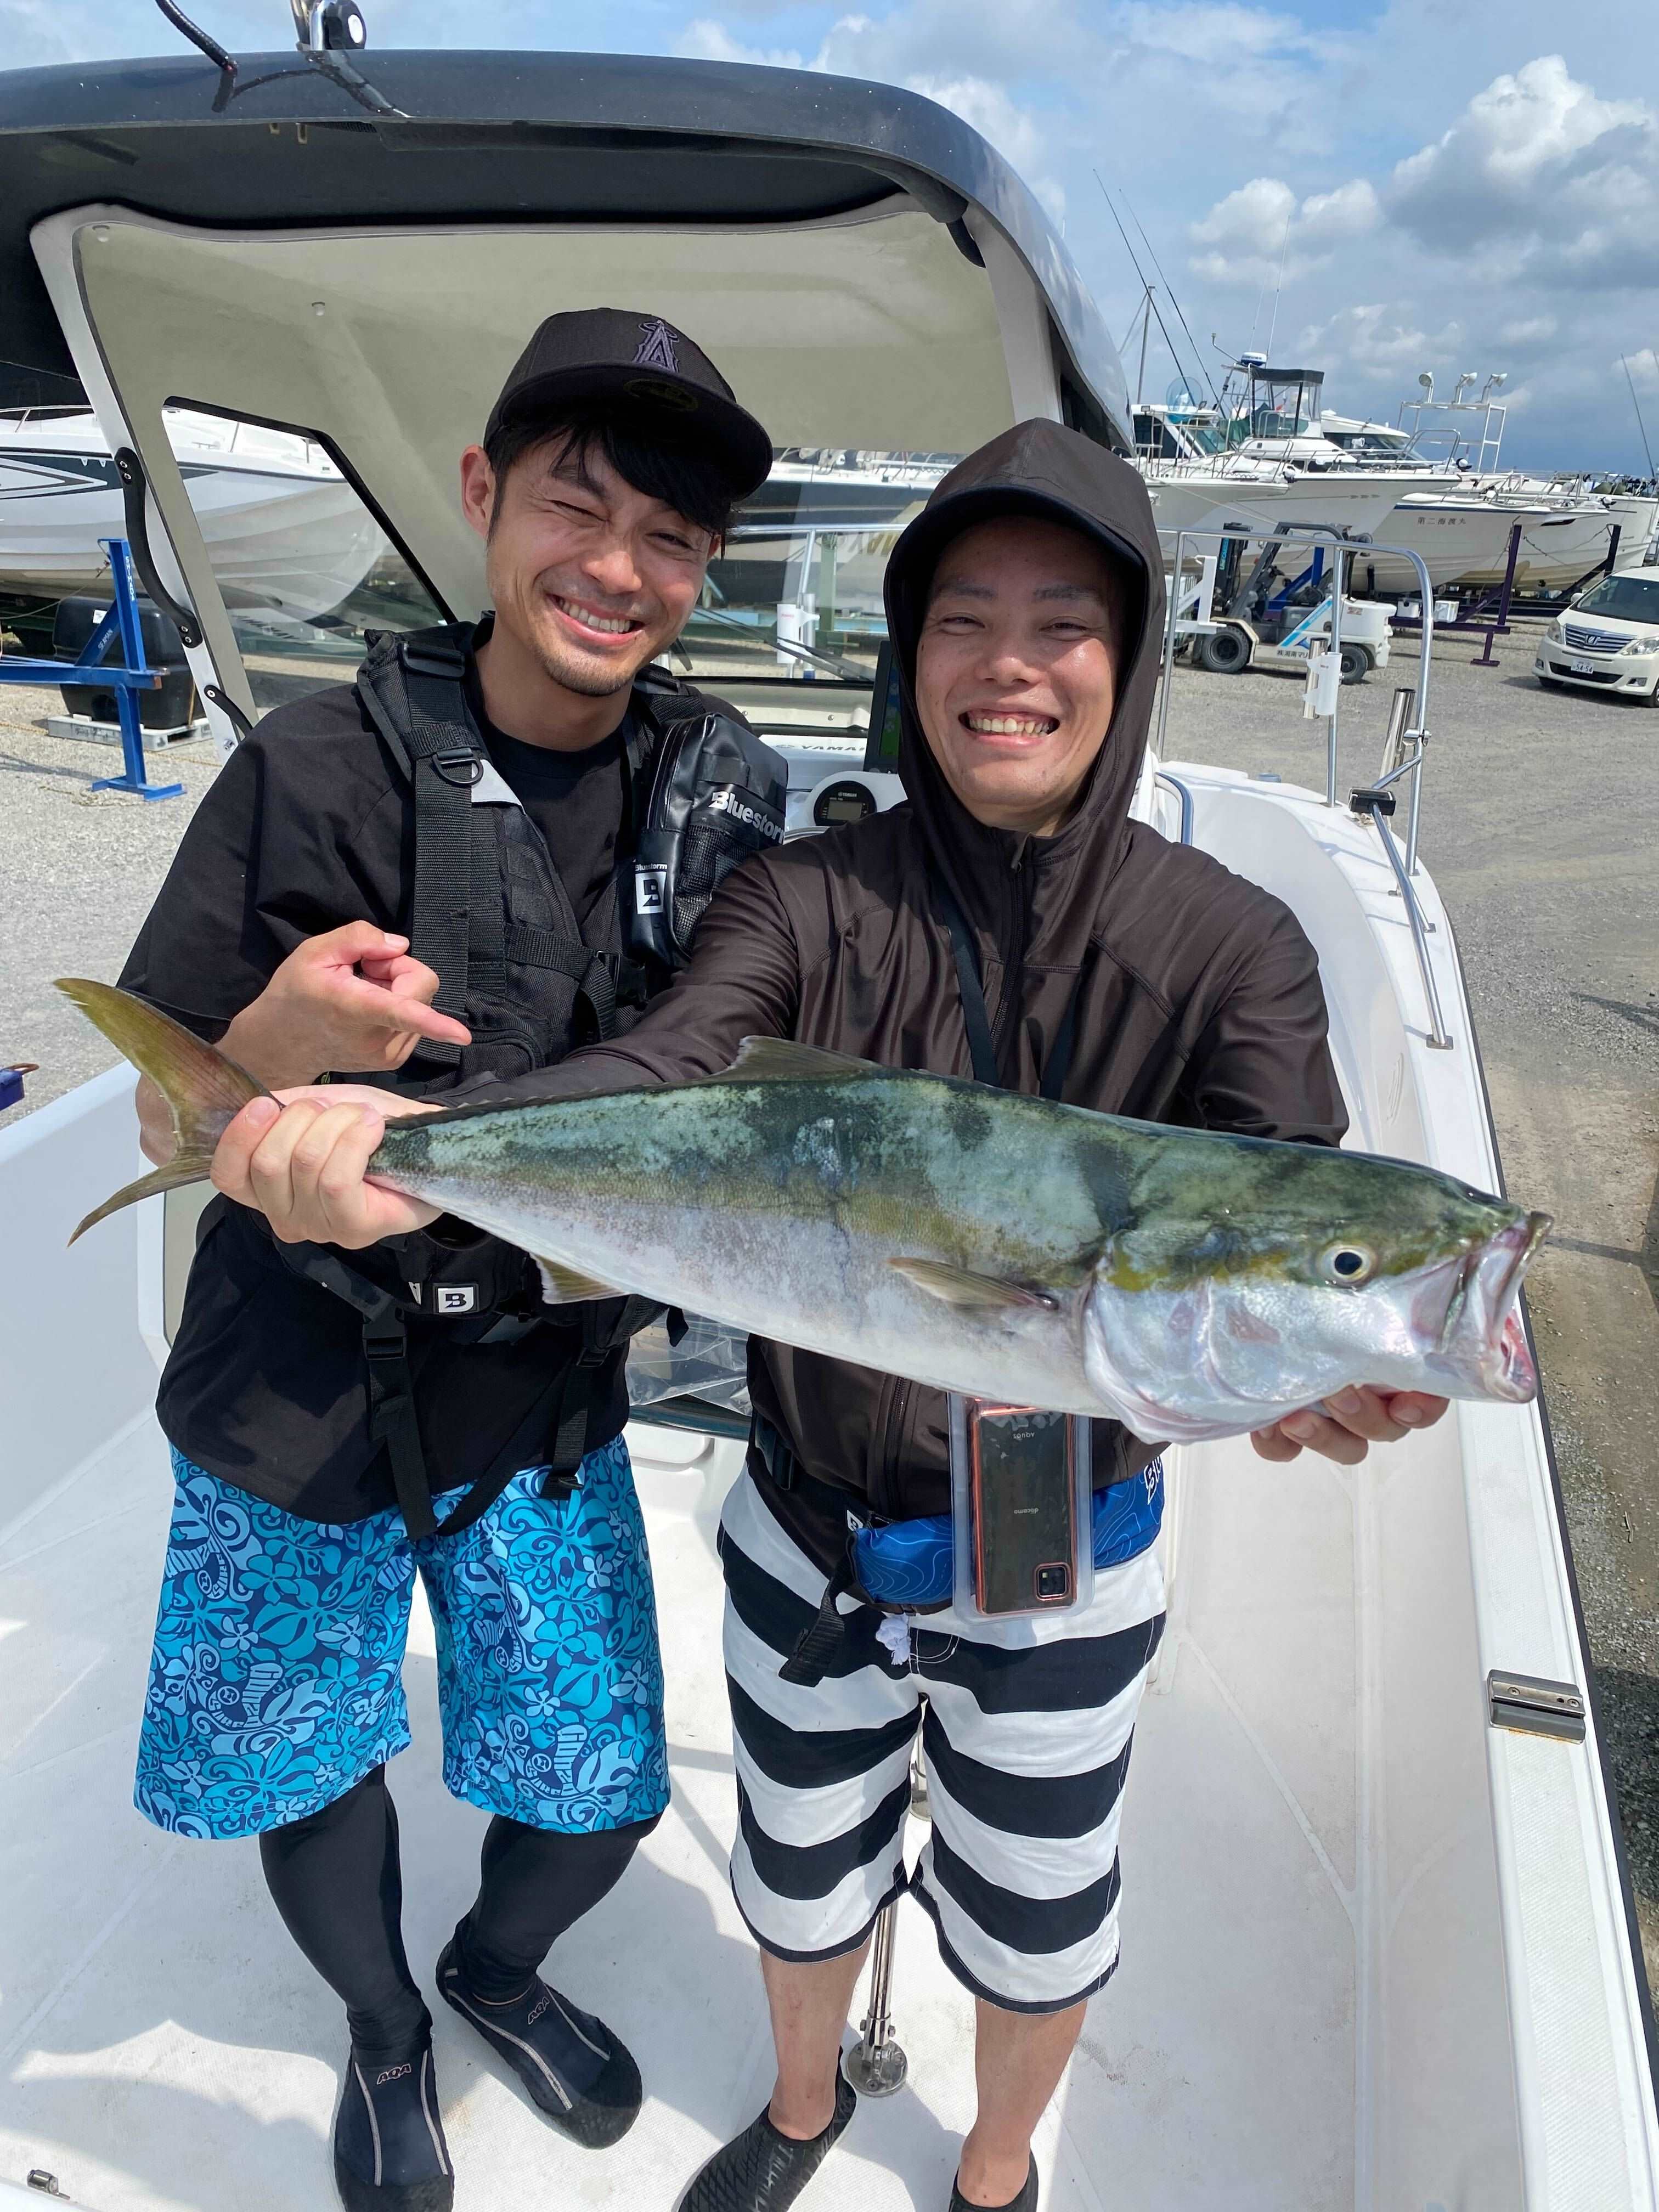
1189 1283
808 1191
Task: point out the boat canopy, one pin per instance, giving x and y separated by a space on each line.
865 268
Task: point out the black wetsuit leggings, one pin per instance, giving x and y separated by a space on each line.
337 1885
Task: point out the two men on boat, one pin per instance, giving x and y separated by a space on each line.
1091 959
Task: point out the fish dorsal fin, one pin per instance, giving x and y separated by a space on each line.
563 1286
962 1287
779 1059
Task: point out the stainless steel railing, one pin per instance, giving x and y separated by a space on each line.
1415 735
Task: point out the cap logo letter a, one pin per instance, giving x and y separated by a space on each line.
657 348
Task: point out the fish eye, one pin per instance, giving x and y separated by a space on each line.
1346 1264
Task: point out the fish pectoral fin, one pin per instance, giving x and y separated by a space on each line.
563 1286
962 1287
781 1060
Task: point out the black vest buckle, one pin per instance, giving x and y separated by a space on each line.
432 656
461 768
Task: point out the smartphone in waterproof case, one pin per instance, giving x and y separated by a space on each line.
1023 1488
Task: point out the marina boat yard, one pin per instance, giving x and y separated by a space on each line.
1379 1953
1269 439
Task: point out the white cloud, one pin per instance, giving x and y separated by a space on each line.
1333 218
1542 170
1522 126
1259 230
1377 338
1199 30
707 41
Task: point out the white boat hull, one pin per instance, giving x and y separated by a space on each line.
1556 549
1203 500
1460 541
295 542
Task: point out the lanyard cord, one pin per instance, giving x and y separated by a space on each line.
978 1021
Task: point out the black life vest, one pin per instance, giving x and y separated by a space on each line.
493 918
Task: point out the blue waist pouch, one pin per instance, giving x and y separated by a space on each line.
911 1564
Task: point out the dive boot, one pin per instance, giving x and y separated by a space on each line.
390 2154
1025 2201
762 2171
574 2069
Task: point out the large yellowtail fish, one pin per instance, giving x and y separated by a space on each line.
1186 1284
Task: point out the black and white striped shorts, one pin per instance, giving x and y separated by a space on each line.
1026 1736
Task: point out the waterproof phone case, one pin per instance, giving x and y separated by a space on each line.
1022 1499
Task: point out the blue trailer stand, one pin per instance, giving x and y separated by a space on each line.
132 675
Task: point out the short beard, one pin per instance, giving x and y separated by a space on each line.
584 685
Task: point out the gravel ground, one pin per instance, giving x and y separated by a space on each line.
78 869
1541 826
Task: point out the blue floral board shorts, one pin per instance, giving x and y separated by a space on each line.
275 1683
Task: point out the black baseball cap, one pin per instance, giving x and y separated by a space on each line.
598 352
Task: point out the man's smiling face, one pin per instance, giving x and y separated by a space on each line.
589 576
1015 669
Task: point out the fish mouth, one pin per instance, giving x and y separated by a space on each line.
1482 1337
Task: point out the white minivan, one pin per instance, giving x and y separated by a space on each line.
1608 640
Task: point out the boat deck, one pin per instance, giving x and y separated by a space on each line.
1375 1955
165 2045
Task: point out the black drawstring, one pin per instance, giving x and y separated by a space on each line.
978 1021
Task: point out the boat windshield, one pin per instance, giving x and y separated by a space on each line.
794 596
1372 445
1284 402
1179 437
1626 599
1209 436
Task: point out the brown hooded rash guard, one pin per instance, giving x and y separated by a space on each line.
1199 1002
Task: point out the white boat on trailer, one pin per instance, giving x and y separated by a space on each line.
1379 1948
284 531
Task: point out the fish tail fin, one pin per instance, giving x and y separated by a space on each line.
204 1092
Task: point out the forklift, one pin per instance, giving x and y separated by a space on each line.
1235 618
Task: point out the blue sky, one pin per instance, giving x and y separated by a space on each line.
1446 194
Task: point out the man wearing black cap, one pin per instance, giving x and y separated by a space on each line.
430 876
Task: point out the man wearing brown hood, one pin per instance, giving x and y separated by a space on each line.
1011 922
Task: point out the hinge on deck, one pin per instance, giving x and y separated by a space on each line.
1532 1706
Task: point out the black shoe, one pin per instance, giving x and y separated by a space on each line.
762 2171
583 2079
1025 2201
390 2154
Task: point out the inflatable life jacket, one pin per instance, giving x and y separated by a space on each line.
493 918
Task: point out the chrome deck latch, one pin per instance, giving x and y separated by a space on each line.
1533 1705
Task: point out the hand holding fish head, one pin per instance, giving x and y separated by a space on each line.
1206 1326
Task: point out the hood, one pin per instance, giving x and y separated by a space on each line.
1039 894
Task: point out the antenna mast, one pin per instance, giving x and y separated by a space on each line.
1278 287
1637 404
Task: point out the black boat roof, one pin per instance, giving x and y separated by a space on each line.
520 138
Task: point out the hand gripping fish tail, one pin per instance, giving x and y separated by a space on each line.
1186 1283
204 1092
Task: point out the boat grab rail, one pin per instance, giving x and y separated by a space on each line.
1375 805
1184 798
1416 735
